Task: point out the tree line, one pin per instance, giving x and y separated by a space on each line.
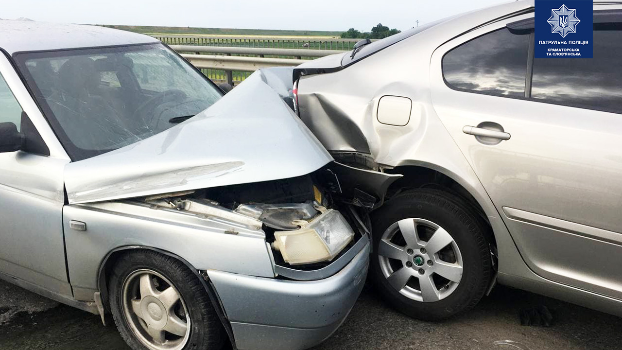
377 32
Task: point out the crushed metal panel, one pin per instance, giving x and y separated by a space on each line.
335 128
250 135
353 184
157 182
280 80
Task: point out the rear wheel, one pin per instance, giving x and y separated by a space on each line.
431 256
158 304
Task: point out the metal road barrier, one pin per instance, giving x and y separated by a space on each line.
239 63
257 41
213 59
261 52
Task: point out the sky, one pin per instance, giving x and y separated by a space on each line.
253 14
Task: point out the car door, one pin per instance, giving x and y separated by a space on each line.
544 137
32 251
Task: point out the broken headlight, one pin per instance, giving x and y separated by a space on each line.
320 240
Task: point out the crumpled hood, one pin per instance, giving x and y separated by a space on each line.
250 135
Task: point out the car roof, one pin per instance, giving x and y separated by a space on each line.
454 26
18 36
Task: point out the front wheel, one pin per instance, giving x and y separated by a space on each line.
158 304
431 256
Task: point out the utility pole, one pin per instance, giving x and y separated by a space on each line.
417 23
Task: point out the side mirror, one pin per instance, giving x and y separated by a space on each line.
11 140
225 87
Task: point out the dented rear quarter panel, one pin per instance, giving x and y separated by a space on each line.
341 107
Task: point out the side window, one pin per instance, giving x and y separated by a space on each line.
594 83
493 64
10 110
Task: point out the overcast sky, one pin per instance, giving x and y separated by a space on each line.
256 14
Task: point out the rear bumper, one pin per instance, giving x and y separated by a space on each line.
289 315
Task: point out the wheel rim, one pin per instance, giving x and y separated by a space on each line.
420 260
155 311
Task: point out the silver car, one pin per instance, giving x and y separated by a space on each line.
129 186
512 166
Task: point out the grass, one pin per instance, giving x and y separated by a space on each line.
220 76
155 30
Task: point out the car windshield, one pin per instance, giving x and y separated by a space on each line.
98 100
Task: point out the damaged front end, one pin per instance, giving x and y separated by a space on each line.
314 224
270 250
248 171
249 199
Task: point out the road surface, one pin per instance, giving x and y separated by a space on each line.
32 322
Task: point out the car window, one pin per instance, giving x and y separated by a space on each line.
10 110
101 99
594 83
494 64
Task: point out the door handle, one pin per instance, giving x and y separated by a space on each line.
475 131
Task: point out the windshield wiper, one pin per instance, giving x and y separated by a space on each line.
177 120
358 46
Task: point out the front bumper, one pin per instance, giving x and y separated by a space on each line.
289 315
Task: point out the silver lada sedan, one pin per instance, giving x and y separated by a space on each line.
130 186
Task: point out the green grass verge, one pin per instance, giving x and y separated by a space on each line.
222 31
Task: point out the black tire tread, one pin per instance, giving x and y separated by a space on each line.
206 330
478 231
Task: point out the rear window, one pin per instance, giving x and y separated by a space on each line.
592 83
382 44
492 64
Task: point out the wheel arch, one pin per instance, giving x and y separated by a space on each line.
461 176
428 175
110 259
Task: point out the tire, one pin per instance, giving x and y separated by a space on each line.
435 286
181 317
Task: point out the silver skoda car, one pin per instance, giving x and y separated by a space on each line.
511 165
130 187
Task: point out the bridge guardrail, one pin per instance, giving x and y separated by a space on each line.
246 59
256 41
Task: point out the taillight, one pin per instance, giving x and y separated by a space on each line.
295 92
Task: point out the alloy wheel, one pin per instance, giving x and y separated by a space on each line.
420 260
155 311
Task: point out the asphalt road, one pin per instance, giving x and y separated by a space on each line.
31 322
